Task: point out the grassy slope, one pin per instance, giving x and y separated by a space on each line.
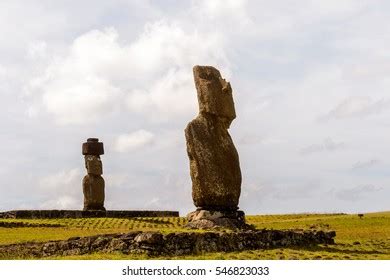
366 238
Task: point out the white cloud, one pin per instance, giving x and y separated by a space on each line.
64 202
81 102
37 50
155 71
134 140
357 193
327 145
72 88
61 190
166 52
3 72
366 164
5 80
357 106
164 45
288 66
218 11
65 181
172 95
116 180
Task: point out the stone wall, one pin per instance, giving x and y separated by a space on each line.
54 214
172 244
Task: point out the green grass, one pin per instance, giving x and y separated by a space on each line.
84 227
357 238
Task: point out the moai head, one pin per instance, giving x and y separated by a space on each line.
214 93
94 165
92 150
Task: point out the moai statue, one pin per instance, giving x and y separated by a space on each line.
214 163
93 182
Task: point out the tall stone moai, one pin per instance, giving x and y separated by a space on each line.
214 163
93 182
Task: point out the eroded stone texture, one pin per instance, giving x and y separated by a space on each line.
93 182
93 189
94 165
93 147
205 219
172 244
214 93
214 163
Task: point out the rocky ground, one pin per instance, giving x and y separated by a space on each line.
172 244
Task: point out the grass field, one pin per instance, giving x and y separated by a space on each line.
357 238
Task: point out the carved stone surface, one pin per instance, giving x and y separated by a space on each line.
94 165
214 93
214 162
93 147
93 189
93 182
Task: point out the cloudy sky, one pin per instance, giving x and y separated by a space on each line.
311 82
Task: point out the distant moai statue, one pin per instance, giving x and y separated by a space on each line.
214 163
93 182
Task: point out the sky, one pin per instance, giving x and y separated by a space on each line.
310 79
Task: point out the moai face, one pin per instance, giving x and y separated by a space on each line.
214 93
94 165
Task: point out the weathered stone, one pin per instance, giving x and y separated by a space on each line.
214 162
93 183
214 92
148 242
117 245
149 238
205 219
204 214
93 189
93 164
173 244
93 147
100 242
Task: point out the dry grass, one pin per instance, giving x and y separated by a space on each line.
357 238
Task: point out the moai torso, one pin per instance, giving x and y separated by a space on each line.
93 182
214 163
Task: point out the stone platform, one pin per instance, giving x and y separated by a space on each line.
55 214
209 219
172 244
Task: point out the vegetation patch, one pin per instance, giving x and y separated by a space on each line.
171 244
7 224
366 237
